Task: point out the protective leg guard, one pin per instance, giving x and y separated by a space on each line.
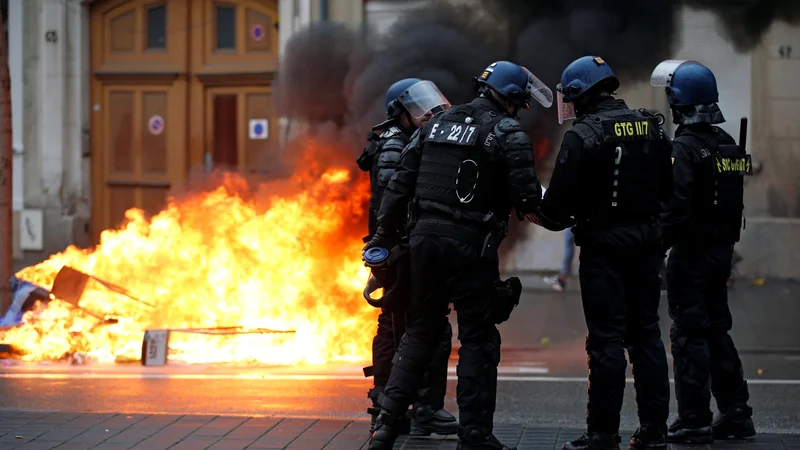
387 424
373 411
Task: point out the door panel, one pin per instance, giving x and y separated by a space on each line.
257 105
224 145
121 103
228 114
140 124
154 147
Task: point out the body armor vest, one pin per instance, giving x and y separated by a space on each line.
458 174
620 166
718 198
380 158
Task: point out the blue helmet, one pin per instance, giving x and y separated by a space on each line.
692 84
514 83
691 90
583 74
393 106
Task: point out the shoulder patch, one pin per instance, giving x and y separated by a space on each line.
391 132
563 155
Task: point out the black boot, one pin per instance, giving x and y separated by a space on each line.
425 421
690 430
736 422
649 435
386 431
476 438
594 441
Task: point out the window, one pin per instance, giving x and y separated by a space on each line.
226 27
157 27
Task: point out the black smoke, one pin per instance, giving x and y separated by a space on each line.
335 78
744 22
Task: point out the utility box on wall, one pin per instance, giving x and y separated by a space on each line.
31 229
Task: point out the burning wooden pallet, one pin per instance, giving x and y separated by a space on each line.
155 345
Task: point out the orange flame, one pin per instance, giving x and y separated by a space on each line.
282 257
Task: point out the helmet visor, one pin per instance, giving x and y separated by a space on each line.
566 110
662 74
422 98
538 91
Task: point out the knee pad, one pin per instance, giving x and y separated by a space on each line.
610 359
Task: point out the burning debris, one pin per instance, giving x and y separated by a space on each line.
282 255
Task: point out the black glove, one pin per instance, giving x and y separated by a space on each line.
545 222
381 238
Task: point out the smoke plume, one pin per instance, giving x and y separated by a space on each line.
335 78
744 22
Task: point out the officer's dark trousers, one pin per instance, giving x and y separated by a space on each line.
620 293
383 350
704 356
443 271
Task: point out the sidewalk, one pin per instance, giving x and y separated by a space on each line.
68 431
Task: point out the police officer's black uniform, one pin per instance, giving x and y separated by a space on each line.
613 175
462 172
702 223
380 158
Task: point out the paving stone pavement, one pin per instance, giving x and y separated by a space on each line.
79 431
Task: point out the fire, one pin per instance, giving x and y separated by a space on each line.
284 256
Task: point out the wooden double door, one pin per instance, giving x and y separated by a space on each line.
177 85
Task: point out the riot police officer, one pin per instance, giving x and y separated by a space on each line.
702 223
613 175
409 103
462 172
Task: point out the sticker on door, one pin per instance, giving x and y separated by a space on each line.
259 128
257 32
156 124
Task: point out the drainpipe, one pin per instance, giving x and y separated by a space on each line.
323 10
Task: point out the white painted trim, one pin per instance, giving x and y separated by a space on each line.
285 24
304 13
15 65
51 121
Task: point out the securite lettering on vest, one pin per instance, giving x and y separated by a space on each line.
737 165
